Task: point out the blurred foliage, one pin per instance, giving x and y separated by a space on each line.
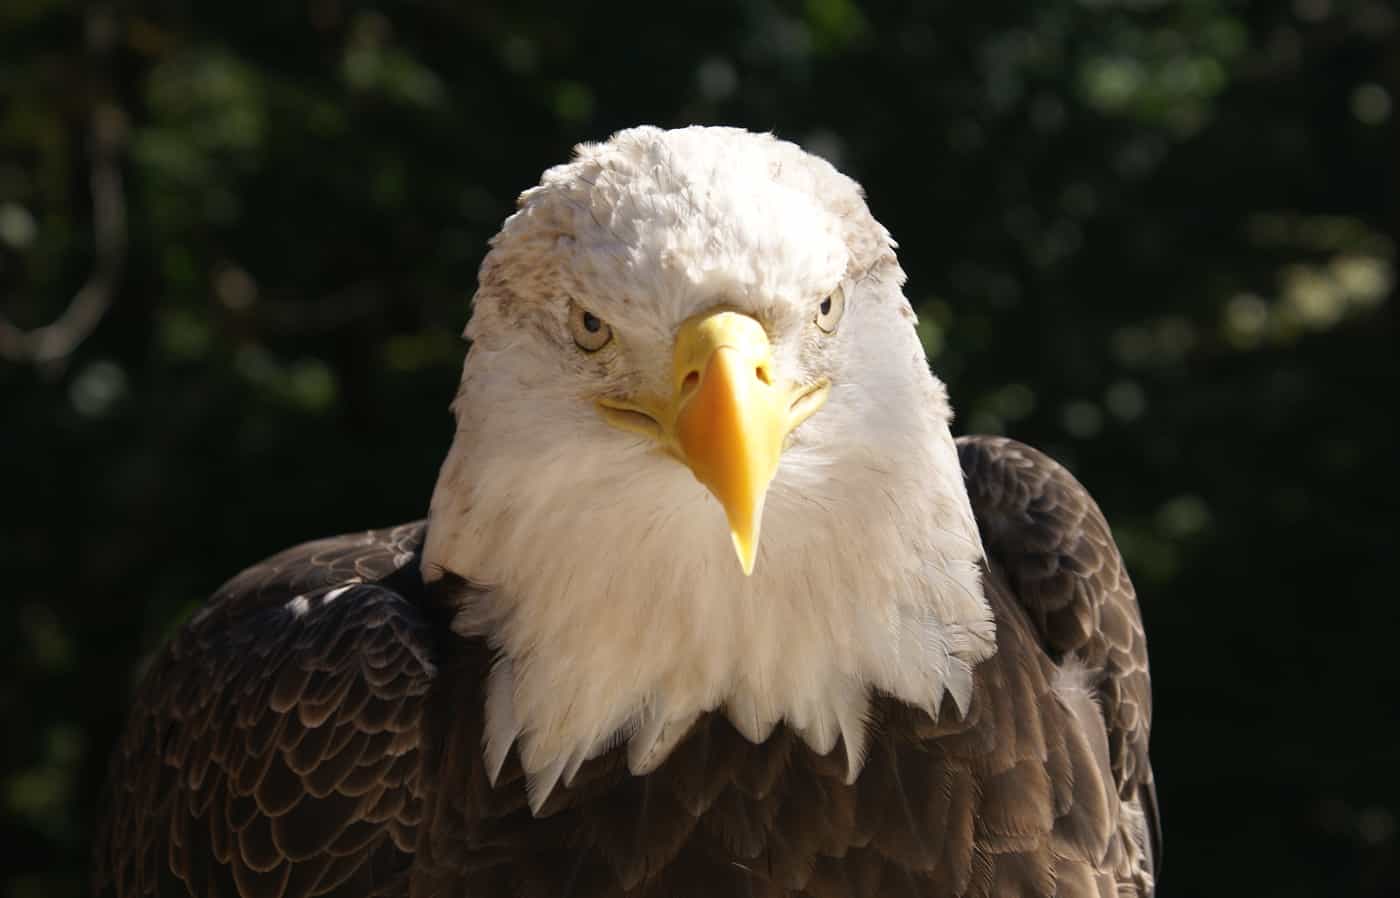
1155 238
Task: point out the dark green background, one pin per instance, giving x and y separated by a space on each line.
1154 238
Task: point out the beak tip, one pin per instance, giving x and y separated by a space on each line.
747 556
746 545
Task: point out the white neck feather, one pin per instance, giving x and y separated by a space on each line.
620 613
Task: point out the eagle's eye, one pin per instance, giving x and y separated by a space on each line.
830 310
591 333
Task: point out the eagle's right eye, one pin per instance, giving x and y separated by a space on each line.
830 310
591 333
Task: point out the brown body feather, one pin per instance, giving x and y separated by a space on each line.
300 738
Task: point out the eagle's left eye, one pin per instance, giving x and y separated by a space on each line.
830 310
591 333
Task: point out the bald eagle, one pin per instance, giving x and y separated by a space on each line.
708 601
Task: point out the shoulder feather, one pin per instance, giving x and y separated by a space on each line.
273 744
1048 536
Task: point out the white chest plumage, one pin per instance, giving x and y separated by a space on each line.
619 612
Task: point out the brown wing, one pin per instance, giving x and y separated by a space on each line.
1042 529
272 748
1014 798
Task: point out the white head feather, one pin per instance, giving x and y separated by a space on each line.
614 600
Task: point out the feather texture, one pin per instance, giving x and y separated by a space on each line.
273 746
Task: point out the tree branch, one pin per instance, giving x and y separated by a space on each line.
57 340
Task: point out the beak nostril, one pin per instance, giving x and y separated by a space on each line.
761 372
692 380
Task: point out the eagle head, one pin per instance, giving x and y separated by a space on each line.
690 345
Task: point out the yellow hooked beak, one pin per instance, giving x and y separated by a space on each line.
726 418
